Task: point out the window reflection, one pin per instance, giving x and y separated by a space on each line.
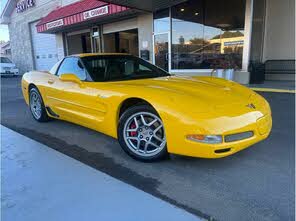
161 49
161 21
208 34
187 35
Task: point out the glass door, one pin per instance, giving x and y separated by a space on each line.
161 50
97 45
96 40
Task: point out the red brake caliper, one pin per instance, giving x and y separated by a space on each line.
133 133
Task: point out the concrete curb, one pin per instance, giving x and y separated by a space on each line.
273 90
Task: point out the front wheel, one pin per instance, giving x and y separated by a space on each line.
37 106
141 134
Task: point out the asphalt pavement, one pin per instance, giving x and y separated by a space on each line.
254 184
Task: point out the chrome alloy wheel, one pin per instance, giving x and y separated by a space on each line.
144 134
35 105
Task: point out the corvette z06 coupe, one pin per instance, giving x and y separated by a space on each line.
149 111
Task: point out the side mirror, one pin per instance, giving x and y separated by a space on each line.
70 78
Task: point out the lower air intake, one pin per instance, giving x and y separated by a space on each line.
238 136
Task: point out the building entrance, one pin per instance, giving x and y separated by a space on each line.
122 42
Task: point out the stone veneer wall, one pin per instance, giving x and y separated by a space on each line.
20 32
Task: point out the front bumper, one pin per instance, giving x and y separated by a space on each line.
261 129
7 73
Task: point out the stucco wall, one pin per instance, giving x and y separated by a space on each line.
279 40
145 31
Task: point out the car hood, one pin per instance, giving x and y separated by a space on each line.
7 65
191 94
204 89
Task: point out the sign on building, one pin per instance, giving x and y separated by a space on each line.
95 12
55 24
23 5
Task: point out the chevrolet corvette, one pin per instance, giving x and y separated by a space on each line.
149 111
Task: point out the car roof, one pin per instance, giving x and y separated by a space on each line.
98 54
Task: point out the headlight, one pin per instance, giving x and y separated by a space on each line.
14 70
210 139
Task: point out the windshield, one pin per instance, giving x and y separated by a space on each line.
5 60
117 68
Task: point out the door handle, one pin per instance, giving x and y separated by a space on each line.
50 81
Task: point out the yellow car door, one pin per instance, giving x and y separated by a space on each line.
78 101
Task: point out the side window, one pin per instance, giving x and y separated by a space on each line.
72 66
79 70
54 69
65 67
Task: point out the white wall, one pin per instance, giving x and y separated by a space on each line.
279 42
67 2
120 26
60 46
145 31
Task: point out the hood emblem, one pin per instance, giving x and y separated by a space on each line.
252 106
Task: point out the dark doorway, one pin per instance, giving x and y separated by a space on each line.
122 42
79 43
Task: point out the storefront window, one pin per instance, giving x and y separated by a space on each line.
224 33
79 43
187 35
122 42
161 21
161 50
208 34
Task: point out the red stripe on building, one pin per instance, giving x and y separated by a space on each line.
76 12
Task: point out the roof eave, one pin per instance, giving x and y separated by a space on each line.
7 11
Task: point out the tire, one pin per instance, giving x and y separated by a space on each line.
37 106
139 139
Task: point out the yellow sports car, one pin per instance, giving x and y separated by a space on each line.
149 111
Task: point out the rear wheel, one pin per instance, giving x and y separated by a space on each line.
37 106
141 134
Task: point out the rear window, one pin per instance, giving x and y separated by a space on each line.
118 68
5 60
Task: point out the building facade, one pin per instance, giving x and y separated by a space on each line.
191 37
5 49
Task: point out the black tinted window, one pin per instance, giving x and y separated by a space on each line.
112 68
97 68
5 60
72 66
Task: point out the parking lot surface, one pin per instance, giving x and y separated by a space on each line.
254 184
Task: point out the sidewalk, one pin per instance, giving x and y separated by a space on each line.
39 183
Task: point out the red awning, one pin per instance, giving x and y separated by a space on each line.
77 12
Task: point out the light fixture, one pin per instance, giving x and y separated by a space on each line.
182 9
209 139
196 13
